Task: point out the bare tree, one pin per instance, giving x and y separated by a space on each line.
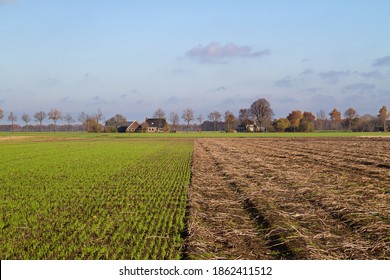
26 119
55 115
118 118
262 112
188 116
383 115
69 120
230 119
12 118
174 119
366 123
199 118
244 116
83 119
321 115
39 117
215 117
1 113
350 114
159 114
98 117
321 120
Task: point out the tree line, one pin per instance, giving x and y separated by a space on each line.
350 120
256 118
86 122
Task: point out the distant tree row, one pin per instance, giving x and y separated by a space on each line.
306 121
88 122
258 117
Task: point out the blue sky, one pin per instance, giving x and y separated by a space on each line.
131 57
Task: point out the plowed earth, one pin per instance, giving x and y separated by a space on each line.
290 199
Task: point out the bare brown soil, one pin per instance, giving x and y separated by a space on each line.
290 199
219 226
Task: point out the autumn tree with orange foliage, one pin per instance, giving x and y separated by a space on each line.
294 118
307 122
335 116
230 119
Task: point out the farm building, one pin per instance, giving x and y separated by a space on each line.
134 127
155 125
122 127
247 128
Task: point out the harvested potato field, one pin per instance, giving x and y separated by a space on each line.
322 198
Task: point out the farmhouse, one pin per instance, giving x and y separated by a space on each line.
134 127
247 128
122 127
154 125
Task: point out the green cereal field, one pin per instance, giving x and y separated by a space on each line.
93 198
